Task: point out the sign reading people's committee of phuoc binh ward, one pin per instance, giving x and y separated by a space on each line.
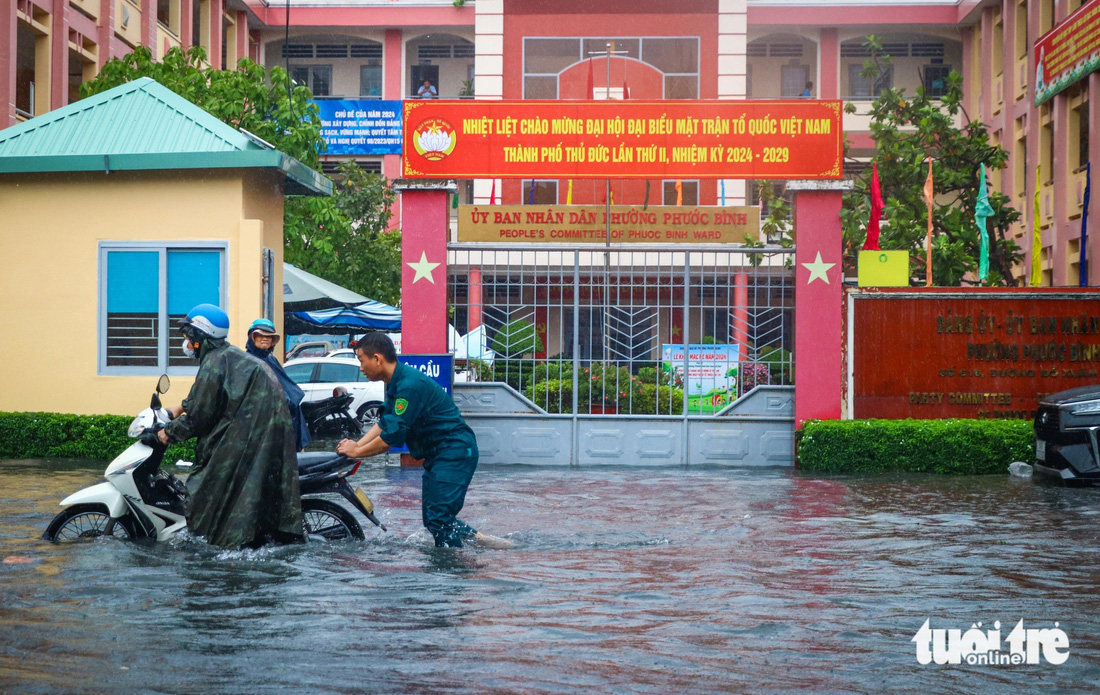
634 224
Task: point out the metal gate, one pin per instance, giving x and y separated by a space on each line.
583 358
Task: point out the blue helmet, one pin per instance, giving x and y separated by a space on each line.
207 321
264 326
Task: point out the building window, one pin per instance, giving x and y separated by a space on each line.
543 193
317 77
544 59
935 79
866 88
370 80
144 291
690 191
794 79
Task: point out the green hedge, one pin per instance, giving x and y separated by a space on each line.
960 447
61 435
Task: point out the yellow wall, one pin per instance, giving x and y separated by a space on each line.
50 229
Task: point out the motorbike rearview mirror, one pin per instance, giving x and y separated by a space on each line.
163 384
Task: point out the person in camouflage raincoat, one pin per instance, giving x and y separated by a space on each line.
244 484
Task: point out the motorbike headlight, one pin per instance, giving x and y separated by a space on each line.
136 427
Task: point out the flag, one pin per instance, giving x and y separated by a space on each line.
982 211
626 90
1083 263
871 244
493 193
591 92
928 195
723 185
612 197
531 196
1037 237
679 192
569 193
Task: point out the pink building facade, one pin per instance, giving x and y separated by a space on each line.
529 49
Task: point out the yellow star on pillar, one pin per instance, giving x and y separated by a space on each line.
818 269
423 269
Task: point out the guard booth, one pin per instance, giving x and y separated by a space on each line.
119 213
631 334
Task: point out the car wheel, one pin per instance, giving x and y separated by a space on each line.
368 414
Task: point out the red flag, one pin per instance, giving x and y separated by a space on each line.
493 193
876 211
626 91
591 93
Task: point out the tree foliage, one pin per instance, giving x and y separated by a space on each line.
906 132
343 239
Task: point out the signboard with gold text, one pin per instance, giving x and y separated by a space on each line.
989 354
800 139
588 224
1068 52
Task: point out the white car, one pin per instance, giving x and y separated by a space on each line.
318 376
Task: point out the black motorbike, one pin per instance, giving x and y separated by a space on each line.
332 418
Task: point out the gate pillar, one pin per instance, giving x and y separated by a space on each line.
425 230
818 300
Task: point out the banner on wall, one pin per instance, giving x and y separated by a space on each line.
711 380
629 224
1068 52
800 139
360 126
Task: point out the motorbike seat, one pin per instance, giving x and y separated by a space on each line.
313 462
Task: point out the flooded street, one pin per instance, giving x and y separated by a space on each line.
699 580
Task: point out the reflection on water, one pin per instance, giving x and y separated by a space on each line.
625 580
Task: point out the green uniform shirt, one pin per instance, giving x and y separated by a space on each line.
421 415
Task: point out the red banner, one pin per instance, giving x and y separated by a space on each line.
800 139
1068 52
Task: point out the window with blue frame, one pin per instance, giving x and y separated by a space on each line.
145 289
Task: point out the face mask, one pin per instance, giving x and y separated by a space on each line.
187 349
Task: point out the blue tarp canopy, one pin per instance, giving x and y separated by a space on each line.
370 315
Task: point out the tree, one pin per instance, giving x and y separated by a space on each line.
517 338
348 243
343 239
906 132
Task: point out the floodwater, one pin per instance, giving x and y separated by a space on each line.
624 580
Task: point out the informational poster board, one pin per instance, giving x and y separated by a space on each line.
711 380
360 126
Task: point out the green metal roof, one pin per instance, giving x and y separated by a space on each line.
143 125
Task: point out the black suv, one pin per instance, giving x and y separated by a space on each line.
1066 431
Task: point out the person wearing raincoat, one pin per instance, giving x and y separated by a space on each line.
244 484
262 338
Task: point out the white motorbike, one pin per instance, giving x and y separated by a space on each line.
140 500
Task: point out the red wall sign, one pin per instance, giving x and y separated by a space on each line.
800 139
982 354
1068 52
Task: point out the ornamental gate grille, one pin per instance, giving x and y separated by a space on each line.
584 360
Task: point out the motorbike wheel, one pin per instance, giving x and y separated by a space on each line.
84 522
368 414
329 521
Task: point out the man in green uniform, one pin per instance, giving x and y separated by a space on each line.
244 485
421 415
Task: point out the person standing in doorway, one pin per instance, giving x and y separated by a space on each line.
420 414
807 92
427 91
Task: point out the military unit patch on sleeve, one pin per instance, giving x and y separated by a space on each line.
400 406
